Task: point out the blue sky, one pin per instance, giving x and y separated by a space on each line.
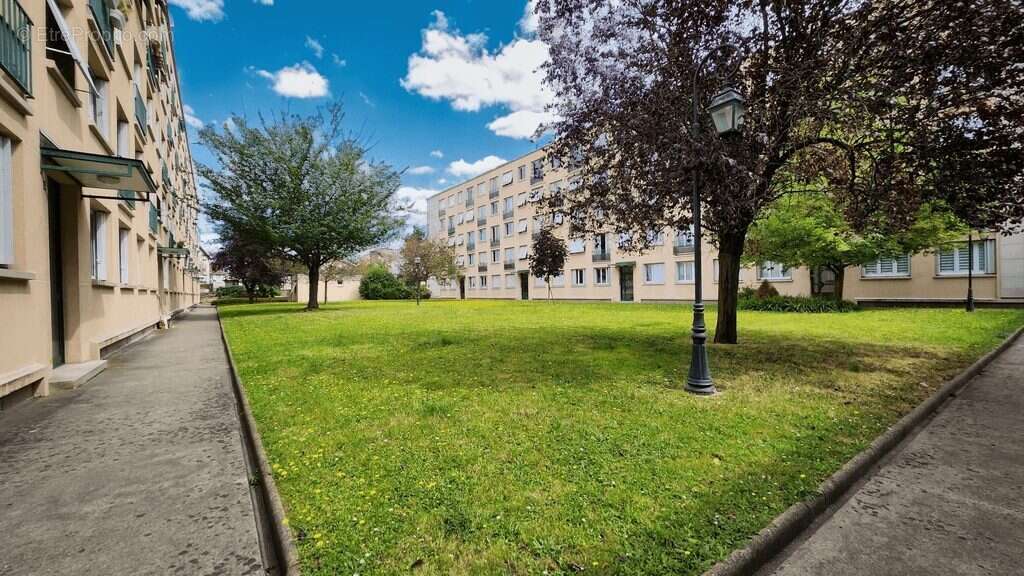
446 89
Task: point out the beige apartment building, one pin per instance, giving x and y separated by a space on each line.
98 203
491 220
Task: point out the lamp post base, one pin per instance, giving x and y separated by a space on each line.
701 388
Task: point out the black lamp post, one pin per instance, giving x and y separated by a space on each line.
727 110
970 270
418 273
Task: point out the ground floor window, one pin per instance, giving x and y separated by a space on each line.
955 260
496 281
483 282
98 244
579 277
6 204
654 273
510 280
472 281
601 276
123 235
684 272
888 267
773 271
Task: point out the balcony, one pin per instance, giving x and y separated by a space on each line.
493 194
603 256
441 213
481 221
140 111
495 242
677 249
470 246
15 44
469 202
508 215
510 265
154 219
451 231
101 15
481 268
128 197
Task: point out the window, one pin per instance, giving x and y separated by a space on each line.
462 196
684 272
577 245
496 281
684 238
579 277
888 267
524 252
522 172
510 229
654 273
624 239
521 199
558 281
601 243
481 213
57 48
483 282
954 260
537 167
656 238
495 256
494 208
98 243
471 259
6 204
540 282
481 258
98 100
536 194
122 254
471 237
122 139
510 280
468 216
522 225
773 271
472 279
508 204
506 178
601 276
482 235
461 217
510 254
495 233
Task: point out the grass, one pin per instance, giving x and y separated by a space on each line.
535 437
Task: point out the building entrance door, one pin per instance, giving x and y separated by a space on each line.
462 287
56 273
626 283
524 285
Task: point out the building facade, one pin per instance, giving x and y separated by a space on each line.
490 220
98 202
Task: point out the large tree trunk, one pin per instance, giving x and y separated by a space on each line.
326 280
314 287
250 292
840 272
730 249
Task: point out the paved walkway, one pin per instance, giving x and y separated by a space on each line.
949 502
140 471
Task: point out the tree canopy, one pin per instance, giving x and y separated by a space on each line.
247 261
547 256
301 187
887 101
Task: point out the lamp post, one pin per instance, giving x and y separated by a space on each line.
727 110
416 266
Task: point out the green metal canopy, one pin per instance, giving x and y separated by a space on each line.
100 171
172 251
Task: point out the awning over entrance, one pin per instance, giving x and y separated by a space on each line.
103 172
172 252
630 264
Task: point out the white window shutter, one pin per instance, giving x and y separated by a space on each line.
903 264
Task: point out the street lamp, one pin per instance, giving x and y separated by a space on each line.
970 270
416 266
727 110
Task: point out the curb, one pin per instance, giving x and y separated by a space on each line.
786 527
280 555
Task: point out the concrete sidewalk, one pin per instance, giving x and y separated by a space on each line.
140 471
949 501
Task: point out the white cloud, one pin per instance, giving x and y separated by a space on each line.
458 68
315 46
338 60
191 119
210 10
298 81
437 154
520 124
442 181
366 100
528 24
264 2
416 199
462 169
420 170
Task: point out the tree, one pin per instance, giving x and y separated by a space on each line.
422 259
810 230
547 257
888 101
336 271
380 284
246 260
301 186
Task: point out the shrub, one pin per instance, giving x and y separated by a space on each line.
231 292
380 284
814 304
766 290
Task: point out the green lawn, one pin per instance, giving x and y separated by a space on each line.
535 437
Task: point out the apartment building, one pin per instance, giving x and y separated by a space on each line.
491 221
98 202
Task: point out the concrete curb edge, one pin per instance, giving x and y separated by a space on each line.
786 527
285 561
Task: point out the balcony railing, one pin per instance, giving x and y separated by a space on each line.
481 268
678 249
441 213
128 197
493 194
470 245
154 219
140 110
451 231
507 215
602 256
481 221
495 242
15 44
510 265
101 14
